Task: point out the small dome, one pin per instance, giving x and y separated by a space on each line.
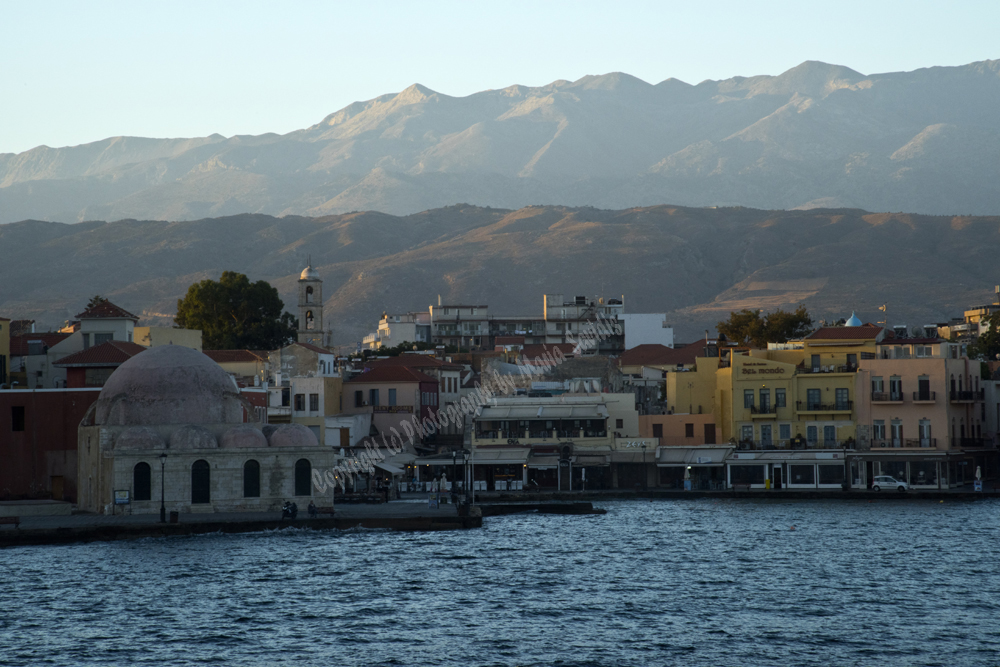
309 273
240 437
853 321
192 437
169 384
292 435
139 437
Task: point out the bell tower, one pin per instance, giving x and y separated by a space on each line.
311 308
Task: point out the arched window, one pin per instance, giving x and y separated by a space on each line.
251 479
201 483
141 483
303 477
309 295
310 322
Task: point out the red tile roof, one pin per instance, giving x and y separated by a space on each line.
653 354
392 374
235 356
19 344
106 309
538 350
112 353
411 361
865 332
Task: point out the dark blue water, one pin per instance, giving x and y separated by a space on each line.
707 582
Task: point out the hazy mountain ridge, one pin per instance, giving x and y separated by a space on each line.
696 264
923 141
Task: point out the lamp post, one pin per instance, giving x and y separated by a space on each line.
454 475
163 507
645 473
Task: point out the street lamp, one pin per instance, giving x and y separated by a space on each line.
454 475
645 473
163 507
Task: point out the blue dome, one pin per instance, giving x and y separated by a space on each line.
853 322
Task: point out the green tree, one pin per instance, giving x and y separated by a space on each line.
987 346
95 301
749 327
234 314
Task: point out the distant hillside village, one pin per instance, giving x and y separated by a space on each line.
581 395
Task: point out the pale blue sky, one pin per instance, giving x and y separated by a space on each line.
76 72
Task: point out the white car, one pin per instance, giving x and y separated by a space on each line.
887 482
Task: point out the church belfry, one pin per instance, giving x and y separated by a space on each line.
311 309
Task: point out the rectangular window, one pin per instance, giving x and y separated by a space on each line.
877 385
812 399
765 400
286 397
392 397
373 397
709 434
313 402
300 402
852 361
748 398
779 398
688 430
86 341
924 388
359 399
830 474
801 474
17 418
815 362
746 474
812 434
895 388
784 431
657 430
842 398
878 429
619 423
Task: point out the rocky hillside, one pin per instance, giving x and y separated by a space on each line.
696 264
817 135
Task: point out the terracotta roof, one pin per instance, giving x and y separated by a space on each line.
106 309
864 332
235 356
654 354
392 374
411 361
539 350
19 344
508 340
314 348
112 353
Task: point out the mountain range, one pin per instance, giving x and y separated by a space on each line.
694 264
818 135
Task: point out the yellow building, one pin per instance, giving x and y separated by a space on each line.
4 350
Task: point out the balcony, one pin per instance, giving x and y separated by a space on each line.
967 396
887 397
768 445
921 442
909 443
972 443
843 368
839 406
924 396
763 411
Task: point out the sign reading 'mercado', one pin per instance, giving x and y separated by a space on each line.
759 368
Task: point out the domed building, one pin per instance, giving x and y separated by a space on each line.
170 413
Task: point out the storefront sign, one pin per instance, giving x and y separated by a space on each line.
759 368
122 497
636 443
393 409
703 459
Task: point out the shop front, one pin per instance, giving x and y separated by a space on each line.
704 467
788 470
944 470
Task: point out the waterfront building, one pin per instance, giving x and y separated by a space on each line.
171 414
461 326
924 420
391 394
561 442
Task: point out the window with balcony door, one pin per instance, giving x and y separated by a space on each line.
895 388
812 399
359 399
392 397
924 388
300 402
748 398
897 433
313 402
815 362
784 431
688 430
925 433
765 400
373 397
779 398
812 434
878 430
877 388
843 399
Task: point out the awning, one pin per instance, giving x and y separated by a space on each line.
389 468
543 462
500 457
590 460
530 412
632 457
692 456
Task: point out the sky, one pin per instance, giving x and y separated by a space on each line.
75 72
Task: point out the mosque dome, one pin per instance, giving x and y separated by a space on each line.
245 436
309 273
853 321
292 435
139 437
170 384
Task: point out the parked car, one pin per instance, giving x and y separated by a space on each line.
888 482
